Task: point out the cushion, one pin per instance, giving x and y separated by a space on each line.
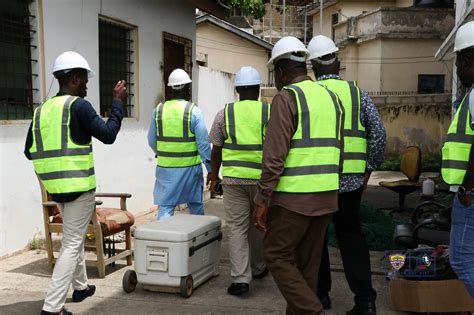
112 220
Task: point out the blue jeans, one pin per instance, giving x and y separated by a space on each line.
168 211
461 246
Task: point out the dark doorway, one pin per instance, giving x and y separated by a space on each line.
176 54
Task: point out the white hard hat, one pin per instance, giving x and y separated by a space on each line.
178 79
247 76
285 48
69 60
321 46
464 37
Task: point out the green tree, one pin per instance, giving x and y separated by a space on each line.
255 8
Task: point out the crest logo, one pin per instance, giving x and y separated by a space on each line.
397 261
426 259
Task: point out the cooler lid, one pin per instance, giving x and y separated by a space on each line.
178 228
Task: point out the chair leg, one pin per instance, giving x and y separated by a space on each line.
128 245
99 244
401 204
49 250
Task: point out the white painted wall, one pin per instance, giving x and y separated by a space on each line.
126 166
216 88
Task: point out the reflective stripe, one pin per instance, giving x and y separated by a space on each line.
186 124
231 124
264 119
176 139
67 174
355 105
462 138
242 164
311 170
453 164
243 147
354 156
305 123
354 133
338 113
64 127
177 154
160 121
38 139
60 153
318 142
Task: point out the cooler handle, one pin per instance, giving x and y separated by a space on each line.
194 249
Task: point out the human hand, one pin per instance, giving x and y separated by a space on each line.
209 180
466 200
366 179
261 218
120 91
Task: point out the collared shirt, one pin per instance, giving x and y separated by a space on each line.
217 136
376 139
177 185
85 123
283 124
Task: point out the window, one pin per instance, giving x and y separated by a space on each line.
16 77
177 53
334 21
116 62
430 83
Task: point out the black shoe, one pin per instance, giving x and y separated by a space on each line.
262 274
363 309
62 312
238 288
81 295
324 300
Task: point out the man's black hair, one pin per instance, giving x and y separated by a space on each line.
65 78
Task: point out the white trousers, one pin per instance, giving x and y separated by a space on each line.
70 267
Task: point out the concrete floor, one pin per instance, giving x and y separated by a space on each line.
25 278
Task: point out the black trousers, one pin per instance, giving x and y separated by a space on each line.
354 250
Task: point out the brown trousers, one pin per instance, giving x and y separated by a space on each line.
292 249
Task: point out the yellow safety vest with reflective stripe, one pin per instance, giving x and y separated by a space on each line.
312 163
355 137
176 144
62 165
245 124
456 149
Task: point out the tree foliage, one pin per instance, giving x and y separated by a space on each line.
255 8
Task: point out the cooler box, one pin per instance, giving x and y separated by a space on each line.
178 253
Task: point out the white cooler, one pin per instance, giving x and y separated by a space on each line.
175 254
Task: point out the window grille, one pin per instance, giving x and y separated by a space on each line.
430 83
116 62
16 86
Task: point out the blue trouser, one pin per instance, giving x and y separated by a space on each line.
168 210
461 248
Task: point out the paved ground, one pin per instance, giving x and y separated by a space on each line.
24 278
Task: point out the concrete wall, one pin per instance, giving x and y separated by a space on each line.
216 88
228 52
126 166
421 120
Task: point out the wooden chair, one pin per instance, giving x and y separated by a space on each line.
410 165
106 223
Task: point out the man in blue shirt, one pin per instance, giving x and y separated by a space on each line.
178 137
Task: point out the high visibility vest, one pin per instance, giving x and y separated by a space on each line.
312 163
456 149
355 137
176 144
245 124
62 165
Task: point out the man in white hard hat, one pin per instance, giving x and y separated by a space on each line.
458 163
178 137
237 137
364 144
65 166
297 192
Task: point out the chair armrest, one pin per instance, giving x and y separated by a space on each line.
123 198
52 203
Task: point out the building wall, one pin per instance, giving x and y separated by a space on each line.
228 52
346 9
126 166
404 59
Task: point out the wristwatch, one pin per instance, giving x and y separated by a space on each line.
463 190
